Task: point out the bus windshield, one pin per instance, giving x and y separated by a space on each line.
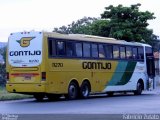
25 49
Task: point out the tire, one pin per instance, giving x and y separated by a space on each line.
39 97
72 91
85 90
110 94
53 97
139 89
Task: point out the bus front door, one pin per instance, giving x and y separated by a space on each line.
150 71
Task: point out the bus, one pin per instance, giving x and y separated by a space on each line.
48 64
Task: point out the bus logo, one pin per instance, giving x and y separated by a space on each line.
25 41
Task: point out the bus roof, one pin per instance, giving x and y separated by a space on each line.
83 37
92 38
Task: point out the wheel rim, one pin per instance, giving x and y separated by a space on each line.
72 91
85 91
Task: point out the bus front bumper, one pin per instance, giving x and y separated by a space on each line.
25 88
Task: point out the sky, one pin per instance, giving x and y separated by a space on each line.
45 15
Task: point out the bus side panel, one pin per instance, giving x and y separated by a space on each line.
103 75
62 72
127 81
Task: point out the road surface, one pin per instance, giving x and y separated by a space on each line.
148 102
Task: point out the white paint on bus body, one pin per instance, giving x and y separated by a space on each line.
25 49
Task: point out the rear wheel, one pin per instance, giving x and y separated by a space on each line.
39 97
138 91
72 91
84 90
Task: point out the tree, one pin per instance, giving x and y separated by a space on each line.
86 25
81 26
3 66
123 23
3 52
100 28
128 23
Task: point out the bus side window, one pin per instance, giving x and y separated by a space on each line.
86 50
51 47
128 52
78 47
122 53
149 51
109 51
101 51
61 48
140 53
135 53
70 49
94 50
115 51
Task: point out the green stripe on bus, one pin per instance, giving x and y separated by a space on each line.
127 74
121 78
117 75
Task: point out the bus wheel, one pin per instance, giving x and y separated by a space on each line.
139 89
84 90
110 94
53 97
39 97
72 91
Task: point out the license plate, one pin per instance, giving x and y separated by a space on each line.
27 77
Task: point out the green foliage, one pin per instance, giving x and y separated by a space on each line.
123 23
81 26
86 25
4 95
100 28
128 23
3 66
3 52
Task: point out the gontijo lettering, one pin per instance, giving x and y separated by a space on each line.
25 53
96 65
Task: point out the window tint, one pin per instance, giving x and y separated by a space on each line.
94 50
70 49
128 52
108 50
116 51
61 48
135 54
78 47
122 53
86 50
101 51
140 53
149 51
51 46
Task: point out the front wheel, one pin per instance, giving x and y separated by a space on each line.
138 91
